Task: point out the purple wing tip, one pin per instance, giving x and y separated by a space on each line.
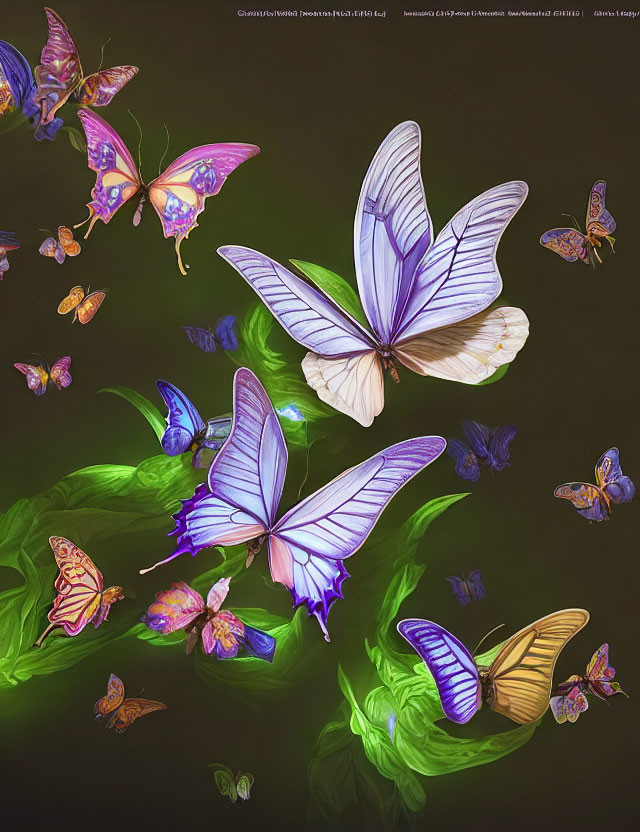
321 608
184 541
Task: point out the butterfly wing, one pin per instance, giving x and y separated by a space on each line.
70 246
460 589
51 248
466 461
130 710
600 674
567 708
476 587
113 699
60 374
392 229
342 367
59 72
37 377
226 784
89 306
98 89
16 82
118 178
499 442
244 783
570 244
174 609
478 437
588 500
225 333
184 422
179 194
451 665
521 675
225 636
609 476
309 544
71 301
599 221
217 594
79 586
202 338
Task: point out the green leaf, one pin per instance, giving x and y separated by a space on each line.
147 408
335 287
499 373
76 139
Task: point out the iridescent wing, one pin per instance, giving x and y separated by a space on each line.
599 221
451 665
570 244
59 72
460 589
244 782
60 374
179 194
71 301
118 178
70 246
588 500
201 337
89 306
600 674
225 333
37 377
466 461
184 423
476 587
52 248
521 675
609 476
567 708
174 609
130 710
98 89
225 636
217 433
113 699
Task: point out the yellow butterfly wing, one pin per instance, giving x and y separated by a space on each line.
72 300
521 675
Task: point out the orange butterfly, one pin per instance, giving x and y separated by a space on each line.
123 711
64 246
85 306
81 598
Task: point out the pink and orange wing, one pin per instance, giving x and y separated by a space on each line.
60 374
174 609
113 699
223 635
131 709
89 306
79 586
71 247
98 89
118 178
59 72
179 194
598 668
570 244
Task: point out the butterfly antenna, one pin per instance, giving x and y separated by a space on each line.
575 221
166 150
139 144
484 638
309 446
102 53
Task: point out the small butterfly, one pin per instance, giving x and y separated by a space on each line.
571 244
60 74
518 681
230 786
18 90
223 634
485 448
467 589
64 246
123 711
570 699
40 377
8 242
594 501
81 598
222 336
178 194
85 307
186 430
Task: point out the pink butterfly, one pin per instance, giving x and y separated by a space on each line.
571 696
178 194
40 377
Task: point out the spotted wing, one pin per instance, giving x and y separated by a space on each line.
79 586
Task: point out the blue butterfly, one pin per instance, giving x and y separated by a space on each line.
222 336
467 589
186 430
17 79
485 447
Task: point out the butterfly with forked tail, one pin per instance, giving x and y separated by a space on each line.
467 589
223 335
593 502
570 698
123 712
40 376
485 448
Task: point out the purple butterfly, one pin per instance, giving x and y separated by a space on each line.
306 547
8 242
467 589
485 447
223 335
186 430
18 89
427 301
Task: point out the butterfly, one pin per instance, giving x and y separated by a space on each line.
485 447
8 242
467 589
230 786
571 244
223 335
60 74
178 194
308 545
18 91
222 633
594 501
81 598
186 429
40 377
518 681
426 302
123 712
85 307
64 246
571 696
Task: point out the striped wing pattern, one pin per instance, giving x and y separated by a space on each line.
79 586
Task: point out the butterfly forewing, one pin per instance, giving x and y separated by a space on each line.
72 300
569 243
89 306
130 710
113 698
98 89
59 72
599 221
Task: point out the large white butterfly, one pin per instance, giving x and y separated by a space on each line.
426 302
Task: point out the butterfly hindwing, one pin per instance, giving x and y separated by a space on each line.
587 499
113 698
599 221
184 423
609 476
59 72
97 90
569 243
460 589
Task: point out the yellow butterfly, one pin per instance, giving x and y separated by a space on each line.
84 306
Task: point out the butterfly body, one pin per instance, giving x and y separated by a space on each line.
39 377
467 589
569 699
84 306
123 712
65 246
593 502
572 244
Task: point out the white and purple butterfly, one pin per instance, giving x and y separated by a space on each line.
426 301
307 546
186 429
467 589
485 447
223 335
